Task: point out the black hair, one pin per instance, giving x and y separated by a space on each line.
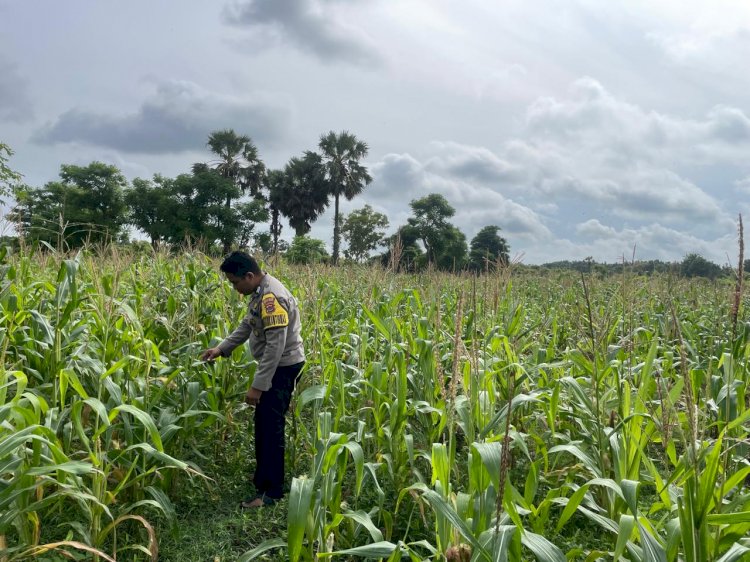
239 263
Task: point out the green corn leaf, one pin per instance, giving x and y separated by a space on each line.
355 449
43 331
739 420
543 549
728 518
310 394
69 376
627 524
707 480
374 550
71 467
673 539
441 506
378 323
653 551
440 466
579 454
265 546
491 456
500 416
166 506
738 552
144 418
364 519
498 544
572 504
300 498
630 493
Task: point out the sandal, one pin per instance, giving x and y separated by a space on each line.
258 500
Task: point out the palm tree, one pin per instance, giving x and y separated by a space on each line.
346 176
275 186
303 192
238 161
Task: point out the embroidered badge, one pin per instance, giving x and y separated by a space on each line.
272 313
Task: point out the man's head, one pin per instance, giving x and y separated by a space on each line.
242 271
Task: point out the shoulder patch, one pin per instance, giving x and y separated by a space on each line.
272 314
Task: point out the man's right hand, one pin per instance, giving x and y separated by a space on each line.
211 354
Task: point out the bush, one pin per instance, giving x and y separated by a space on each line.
307 250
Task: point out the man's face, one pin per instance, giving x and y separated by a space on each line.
244 284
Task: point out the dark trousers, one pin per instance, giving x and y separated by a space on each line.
269 431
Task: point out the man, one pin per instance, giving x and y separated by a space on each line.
272 325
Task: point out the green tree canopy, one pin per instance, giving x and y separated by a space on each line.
445 246
488 249
695 265
347 177
404 253
151 208
306 250
238 162
199 213
86 206
303 194
363 230
8 177
453 253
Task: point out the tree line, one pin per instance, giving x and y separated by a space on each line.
220 203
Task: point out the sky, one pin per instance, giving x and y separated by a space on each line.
581 128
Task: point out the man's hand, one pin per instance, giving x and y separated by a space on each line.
253 396
211 354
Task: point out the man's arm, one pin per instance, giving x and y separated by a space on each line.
239 336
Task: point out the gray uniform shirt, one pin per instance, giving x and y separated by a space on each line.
272 325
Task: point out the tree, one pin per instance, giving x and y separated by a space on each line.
151 208
250 213
275 182
303 193
404 253
695 265
238 161
453 252
305 250
488 249
363 232
445 246
200 215
86 206
346 176
8 177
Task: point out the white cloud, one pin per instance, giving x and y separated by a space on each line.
743 185
401 178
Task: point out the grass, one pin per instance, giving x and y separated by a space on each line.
210 525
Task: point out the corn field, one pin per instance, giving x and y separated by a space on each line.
515 416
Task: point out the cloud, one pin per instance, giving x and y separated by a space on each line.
471 162
178 117
588 174
714 49
743 185
14 98
401 178
651 241
310 25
